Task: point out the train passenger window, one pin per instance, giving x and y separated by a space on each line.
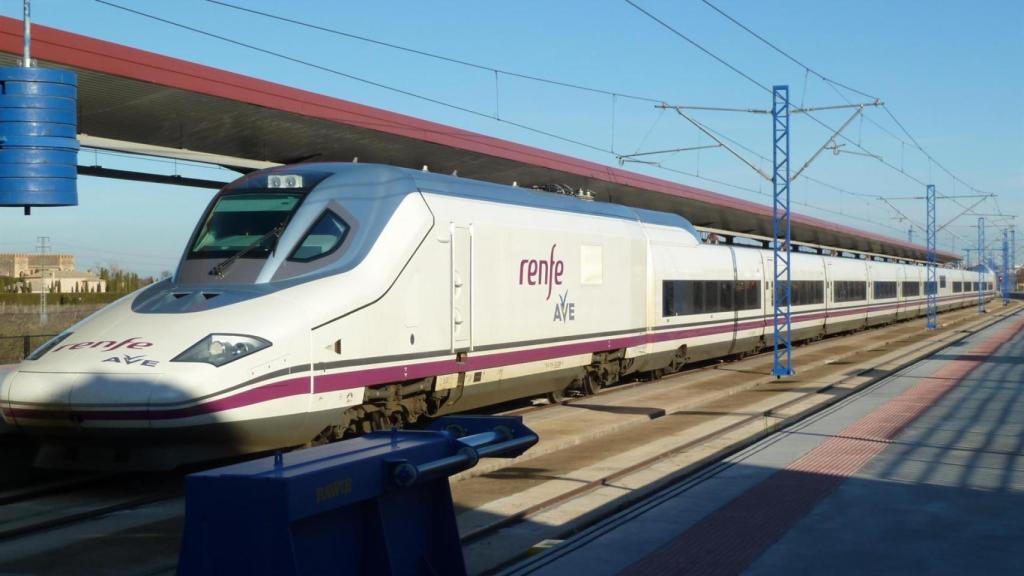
929 288
748 295
803 292
849 290
884 289
323 238
910 288
684 297
958 287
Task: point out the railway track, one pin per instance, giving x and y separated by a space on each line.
35 509
791 406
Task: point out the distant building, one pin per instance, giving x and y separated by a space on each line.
65 281
28 264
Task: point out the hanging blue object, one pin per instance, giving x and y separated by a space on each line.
38 144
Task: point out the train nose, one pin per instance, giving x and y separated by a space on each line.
77 400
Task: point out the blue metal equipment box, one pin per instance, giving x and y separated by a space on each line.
374 505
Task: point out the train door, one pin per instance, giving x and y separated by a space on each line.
461 283
735 308
827 303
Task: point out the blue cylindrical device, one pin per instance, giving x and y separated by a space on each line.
38 147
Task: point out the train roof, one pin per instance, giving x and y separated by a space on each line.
137 101
481 190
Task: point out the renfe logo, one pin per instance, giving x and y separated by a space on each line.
132 343
542 272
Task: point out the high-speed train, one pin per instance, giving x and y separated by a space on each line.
319 300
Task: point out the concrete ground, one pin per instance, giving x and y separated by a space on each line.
923 473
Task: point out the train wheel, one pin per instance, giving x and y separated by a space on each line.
592 384
557 397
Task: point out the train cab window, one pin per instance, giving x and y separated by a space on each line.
884 289
849 290
911 288
326 235
247 224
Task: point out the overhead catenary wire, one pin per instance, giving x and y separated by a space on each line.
835 83
433 100
441 57
613 94
496 71
354 77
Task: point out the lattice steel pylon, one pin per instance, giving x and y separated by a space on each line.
981 265
782 341
931 286
1005 288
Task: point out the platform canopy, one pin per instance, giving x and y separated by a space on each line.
136 101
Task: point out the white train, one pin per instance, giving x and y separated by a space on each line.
317 300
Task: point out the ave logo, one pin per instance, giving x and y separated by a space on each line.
564 310
126 359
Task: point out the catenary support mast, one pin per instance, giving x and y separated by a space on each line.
981 265
931 284
781 241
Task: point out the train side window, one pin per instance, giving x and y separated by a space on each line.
958 287
325 236
929 288
685 297
884 289
849 291
803 292
911 288
942 281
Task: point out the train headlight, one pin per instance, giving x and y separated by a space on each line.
219 349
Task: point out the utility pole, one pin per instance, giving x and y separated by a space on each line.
43 247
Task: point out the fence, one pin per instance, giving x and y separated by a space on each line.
14 349
21 332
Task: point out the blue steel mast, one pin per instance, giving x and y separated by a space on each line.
782 290
1005 288
981 264
931 284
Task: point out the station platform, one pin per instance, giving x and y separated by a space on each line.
922 473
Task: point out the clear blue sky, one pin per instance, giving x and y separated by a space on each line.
951 71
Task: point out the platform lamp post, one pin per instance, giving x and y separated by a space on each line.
931 286
981 264
781 237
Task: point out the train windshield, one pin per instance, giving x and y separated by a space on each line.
245 225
